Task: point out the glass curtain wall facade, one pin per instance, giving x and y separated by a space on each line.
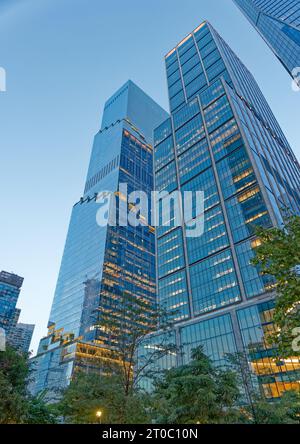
10 287
278 22
222 138
21 336
102 263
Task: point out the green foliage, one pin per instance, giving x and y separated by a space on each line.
256 408
279 256
16 406
127 321
283 411
13 375
89 393
196 393
41 413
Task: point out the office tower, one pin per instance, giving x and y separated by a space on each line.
10 287
278 22
102 262
223 139
17 335
20 337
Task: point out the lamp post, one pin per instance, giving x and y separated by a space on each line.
99 415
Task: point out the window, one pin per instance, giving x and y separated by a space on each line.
214 283
235 172
173 295
194 161
189 134
186 113
170 253
213 239
164 153
166 178
245 212
204 182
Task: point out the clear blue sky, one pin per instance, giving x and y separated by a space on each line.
63 59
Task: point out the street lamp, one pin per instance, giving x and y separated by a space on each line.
99 415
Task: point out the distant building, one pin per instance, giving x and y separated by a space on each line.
10 287
278 22
21 336
18 335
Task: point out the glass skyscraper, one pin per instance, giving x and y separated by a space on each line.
10 287
278 22
222 138
102 262
17 335
20 337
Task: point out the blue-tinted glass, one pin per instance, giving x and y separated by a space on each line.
196 85
214 283
164 153
189 134
212 93
174 77
186 113
215 335
188 54
177 100
218 113
170 253
194 161
163 131
235 172
185 46
166 178
279 23
273 377
254 283
213 239
204 182
225 139
245 212
175 88
191 64
171 59
211 58
10 286
201 32
217 70
173 295
192 74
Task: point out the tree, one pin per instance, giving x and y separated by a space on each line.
125 323
247 381
196 393
89 393
285 410
278 255
255 408
16 405
13 375
39 412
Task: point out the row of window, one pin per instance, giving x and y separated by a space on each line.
107 169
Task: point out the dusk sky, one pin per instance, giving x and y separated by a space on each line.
63 59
